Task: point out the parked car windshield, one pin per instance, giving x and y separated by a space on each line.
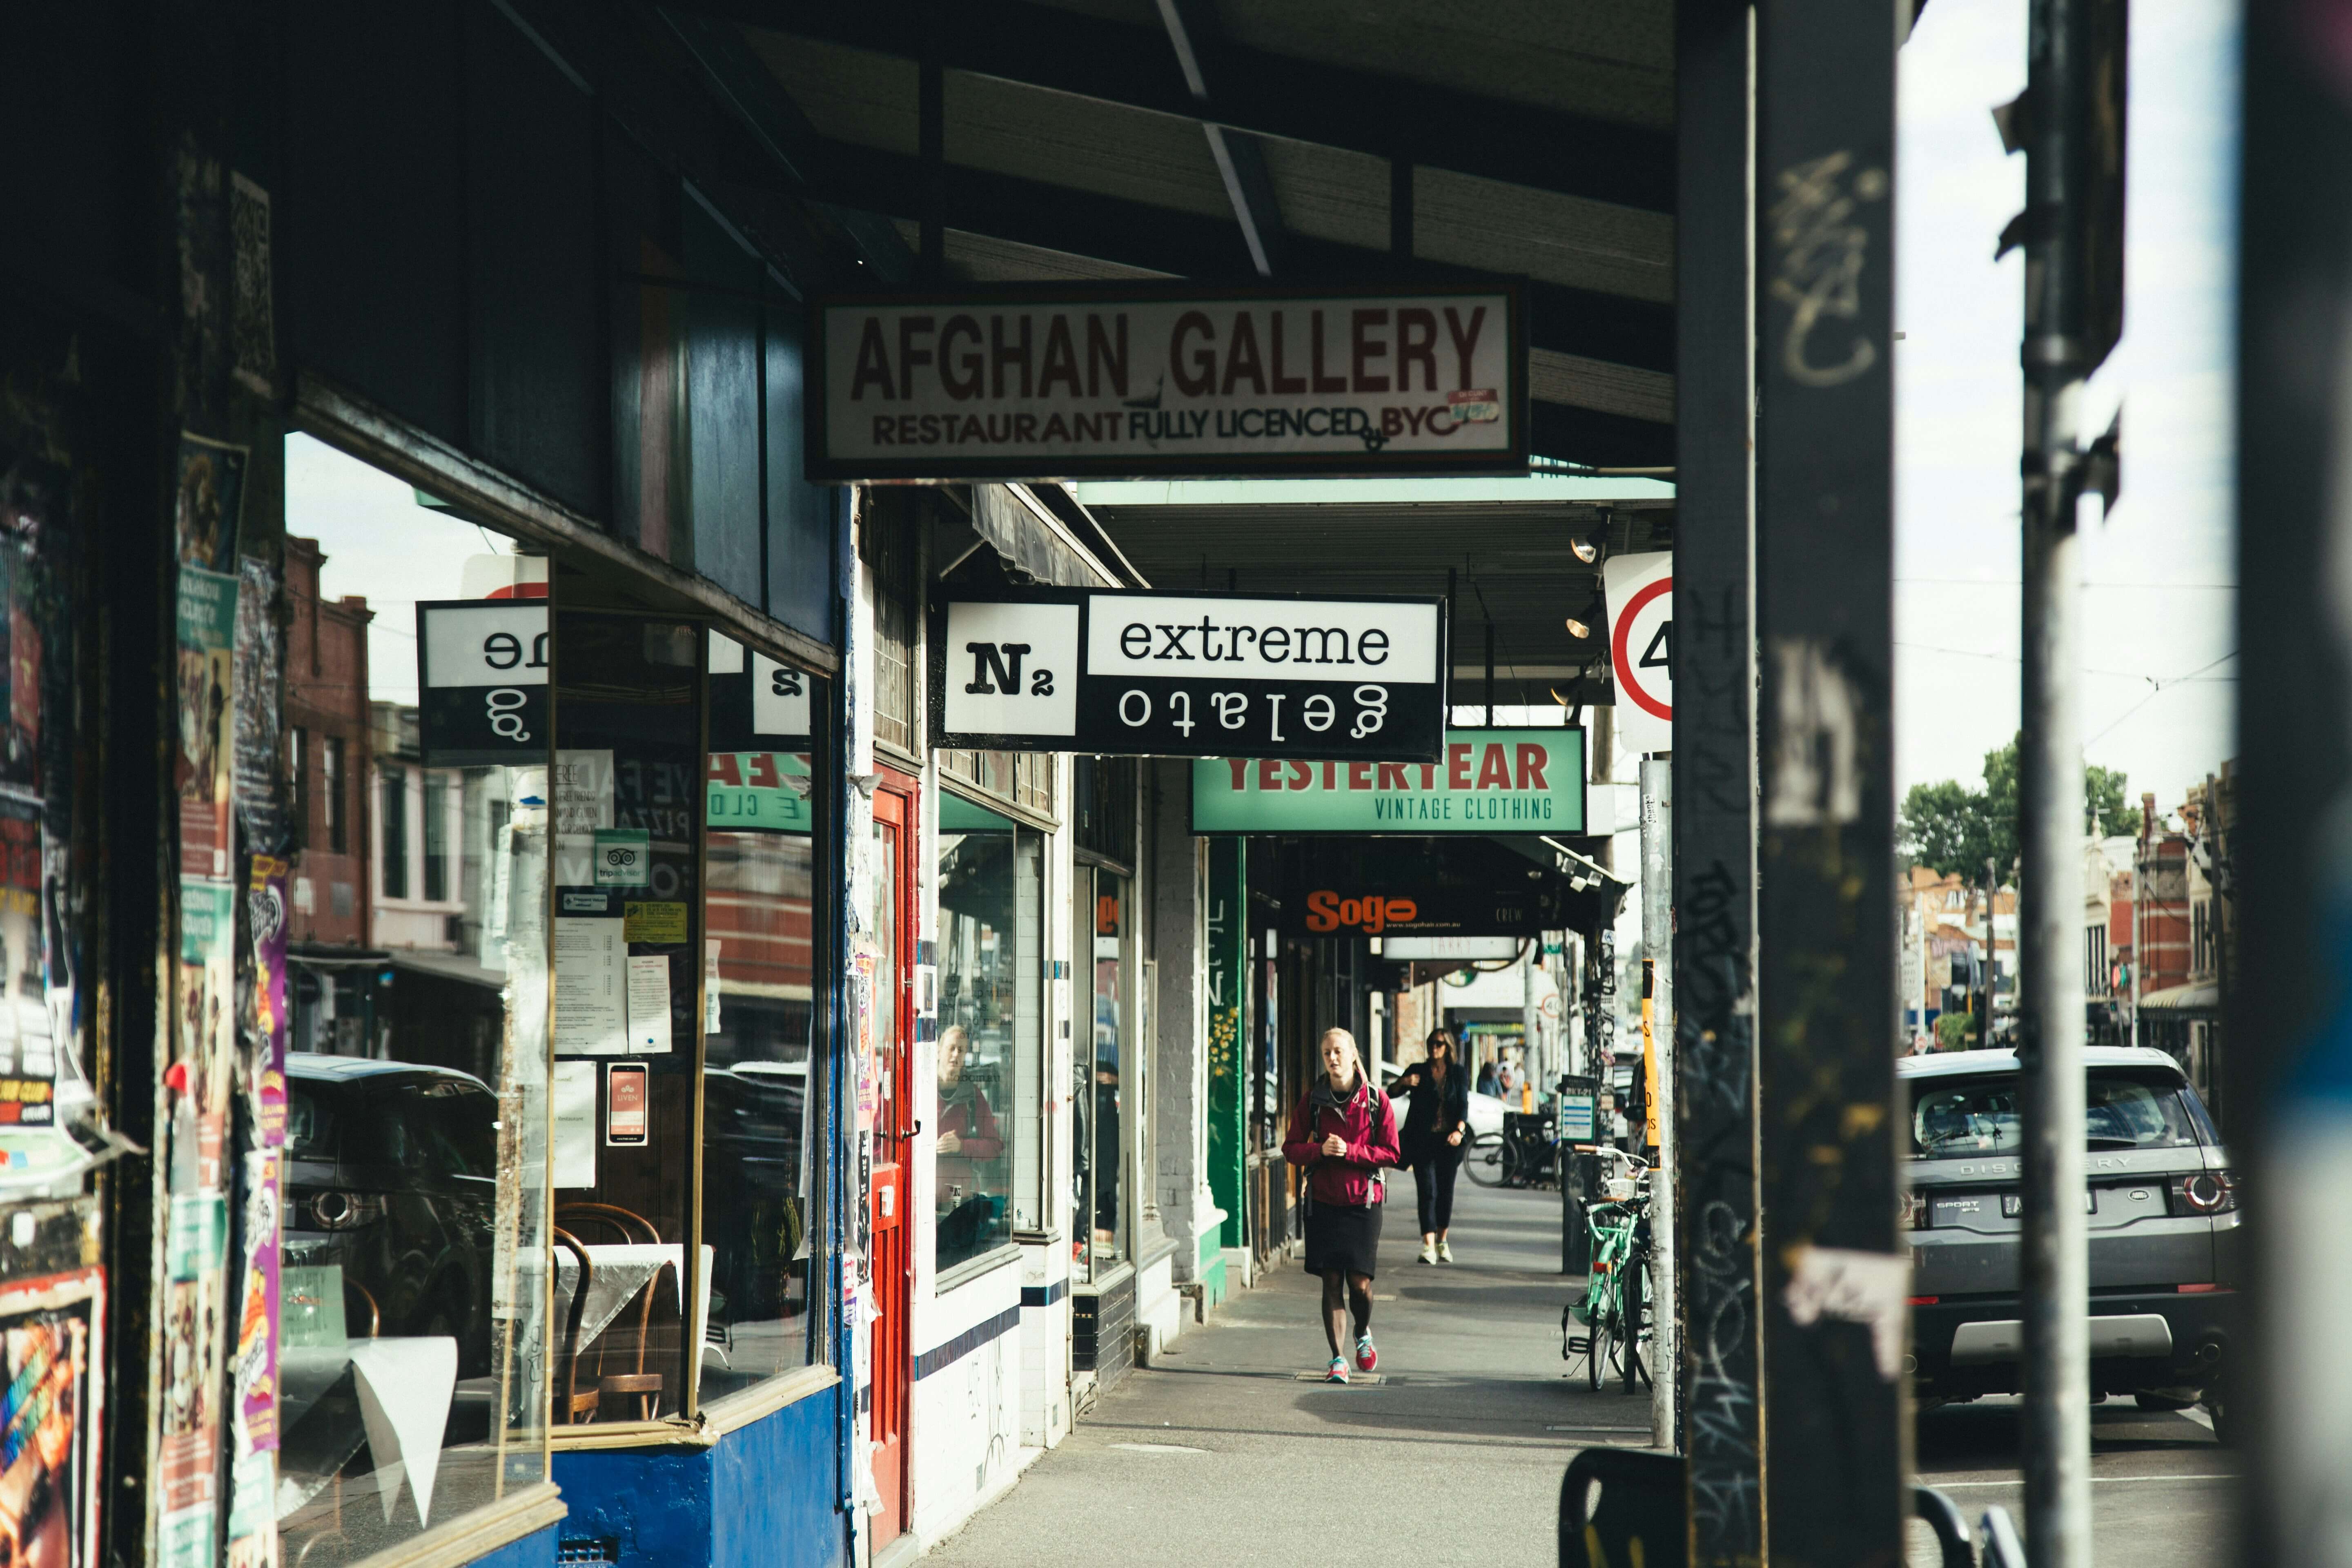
1960 1117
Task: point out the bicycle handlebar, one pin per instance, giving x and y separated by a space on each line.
1612 1152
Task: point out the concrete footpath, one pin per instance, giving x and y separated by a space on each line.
1221 1453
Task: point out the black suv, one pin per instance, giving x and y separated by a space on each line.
2163 1254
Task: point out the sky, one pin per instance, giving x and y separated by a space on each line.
2159 689
382 546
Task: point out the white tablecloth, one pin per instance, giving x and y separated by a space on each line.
404 1386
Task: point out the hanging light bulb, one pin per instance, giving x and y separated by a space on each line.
1577 629
1584 549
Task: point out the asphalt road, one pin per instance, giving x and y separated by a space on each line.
2161 1488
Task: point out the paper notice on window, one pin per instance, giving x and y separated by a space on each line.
581 784
590 974
572 1162
711 985
649 1005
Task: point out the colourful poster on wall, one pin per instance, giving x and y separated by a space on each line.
266 912
52 1332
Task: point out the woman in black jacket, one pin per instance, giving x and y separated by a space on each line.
1436 1127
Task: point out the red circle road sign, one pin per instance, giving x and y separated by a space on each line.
1628 675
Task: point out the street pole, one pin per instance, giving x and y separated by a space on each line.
1716 1195
1992 964
1833 1270
1658 948
2062 325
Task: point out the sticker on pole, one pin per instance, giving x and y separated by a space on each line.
1640 590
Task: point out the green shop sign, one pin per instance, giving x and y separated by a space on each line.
1492 781
758 792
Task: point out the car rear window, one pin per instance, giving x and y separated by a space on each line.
1960 1117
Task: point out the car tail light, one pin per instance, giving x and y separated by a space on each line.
2204 1193
2197 1290
1925 1300
335 1209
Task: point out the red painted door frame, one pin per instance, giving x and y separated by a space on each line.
895 805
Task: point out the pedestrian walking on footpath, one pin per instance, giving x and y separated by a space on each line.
1344 1133
1436 1127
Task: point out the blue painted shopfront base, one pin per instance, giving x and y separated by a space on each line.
764 1497
536 1549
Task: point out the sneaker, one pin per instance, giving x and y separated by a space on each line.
1429 1255
1368 1355
1338 1371
1444 1253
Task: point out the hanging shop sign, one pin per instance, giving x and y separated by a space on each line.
481 677
1379 906
1486 781
1640 591
1449 948
1153 380
757 703
1191 675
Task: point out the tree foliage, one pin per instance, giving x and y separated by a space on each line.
1953 828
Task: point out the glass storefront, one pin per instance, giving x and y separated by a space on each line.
491 1233
1100 1066
990 894
410 1272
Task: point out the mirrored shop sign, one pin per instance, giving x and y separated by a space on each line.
1189 674
482 667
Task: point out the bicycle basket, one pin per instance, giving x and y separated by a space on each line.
1618 1189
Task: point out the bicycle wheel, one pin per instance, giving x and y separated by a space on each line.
1483 1161
1633 1283
1596 1355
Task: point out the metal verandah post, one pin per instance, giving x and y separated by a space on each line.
1714 781
2058 356
1835 1277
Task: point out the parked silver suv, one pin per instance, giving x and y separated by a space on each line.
2164 1230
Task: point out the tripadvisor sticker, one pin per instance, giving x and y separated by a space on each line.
624 857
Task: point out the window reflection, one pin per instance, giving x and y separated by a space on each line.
759 1100
989 898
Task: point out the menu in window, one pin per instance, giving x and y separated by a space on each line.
591 959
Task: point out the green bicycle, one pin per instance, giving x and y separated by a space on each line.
1611 1309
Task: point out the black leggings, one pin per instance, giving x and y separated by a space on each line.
1344 1295
1432 1189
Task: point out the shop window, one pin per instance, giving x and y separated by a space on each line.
1100 1067
887 544
436 837
411 1263
298 778
394 818
763 1083
986 1179
331 795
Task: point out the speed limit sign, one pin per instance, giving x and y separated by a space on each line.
1640 597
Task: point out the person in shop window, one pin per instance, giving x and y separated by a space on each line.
1488 1082
1436 1126
1343 1132
969 1140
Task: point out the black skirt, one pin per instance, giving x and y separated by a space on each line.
1342 1236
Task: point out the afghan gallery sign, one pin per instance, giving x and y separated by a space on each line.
1149 380
1189 675
1486 782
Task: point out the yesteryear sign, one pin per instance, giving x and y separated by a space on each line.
482 667
1189 674
1149 380
1488 782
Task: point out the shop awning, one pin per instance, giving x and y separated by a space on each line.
2200 999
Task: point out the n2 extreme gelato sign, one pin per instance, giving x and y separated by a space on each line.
1490 781
1144 381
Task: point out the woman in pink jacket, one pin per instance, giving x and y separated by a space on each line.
1343 1132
